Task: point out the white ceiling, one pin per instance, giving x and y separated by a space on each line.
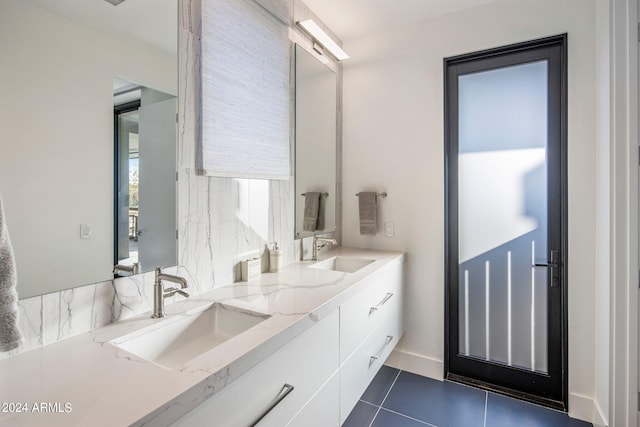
154 22
149 22
350 19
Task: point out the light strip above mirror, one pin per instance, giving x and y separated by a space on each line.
314 30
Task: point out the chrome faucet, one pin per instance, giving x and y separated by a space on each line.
159 293
132 269
317 247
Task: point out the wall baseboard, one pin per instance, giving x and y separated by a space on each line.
599 418
416 364
581 407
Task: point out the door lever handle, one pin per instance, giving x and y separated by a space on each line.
549 264
554 265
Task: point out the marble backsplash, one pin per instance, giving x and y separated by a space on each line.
221 222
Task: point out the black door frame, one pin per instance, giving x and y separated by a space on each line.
117 111
552 389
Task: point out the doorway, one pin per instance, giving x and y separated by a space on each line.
145 135
506 231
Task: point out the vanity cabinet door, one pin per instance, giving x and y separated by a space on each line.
358 371
323 410
381 295
305 363
370 327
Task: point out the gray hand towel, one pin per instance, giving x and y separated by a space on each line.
10 335
311 209
368 207
321 205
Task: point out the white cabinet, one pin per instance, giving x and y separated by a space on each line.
370 327
305 363
323 410
364 363
329 365
361 314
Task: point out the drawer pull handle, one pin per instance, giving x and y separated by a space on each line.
380 304
379 353
284 392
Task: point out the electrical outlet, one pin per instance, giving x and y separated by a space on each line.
86 231
388 229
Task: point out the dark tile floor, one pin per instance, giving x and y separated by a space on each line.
401 399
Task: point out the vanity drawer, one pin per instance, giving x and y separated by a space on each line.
366 310
358 371
323 410
305 363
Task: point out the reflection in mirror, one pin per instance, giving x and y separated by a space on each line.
145 142
57 115
315 144
127 145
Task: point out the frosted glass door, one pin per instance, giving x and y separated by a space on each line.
502 195
506 219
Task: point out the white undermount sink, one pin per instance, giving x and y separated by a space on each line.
343 264
175 341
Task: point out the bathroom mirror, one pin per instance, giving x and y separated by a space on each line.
64 175
315 141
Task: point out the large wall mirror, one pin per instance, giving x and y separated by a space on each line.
88 119
315 145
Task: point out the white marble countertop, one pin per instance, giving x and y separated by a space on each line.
85 380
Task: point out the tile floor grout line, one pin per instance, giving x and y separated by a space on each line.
385 397
369 403
407 416
486 404
390 388
374 416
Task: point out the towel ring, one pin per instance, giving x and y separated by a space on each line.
325 194
381 195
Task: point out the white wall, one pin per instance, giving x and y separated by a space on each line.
393 141
56 116
602 345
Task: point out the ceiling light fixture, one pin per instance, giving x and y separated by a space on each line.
314 30
114 2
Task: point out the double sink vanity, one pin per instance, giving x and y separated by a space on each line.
297 347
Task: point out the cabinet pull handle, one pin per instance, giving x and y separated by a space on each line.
380 304
377 356
284 392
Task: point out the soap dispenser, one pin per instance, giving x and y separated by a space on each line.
274 258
